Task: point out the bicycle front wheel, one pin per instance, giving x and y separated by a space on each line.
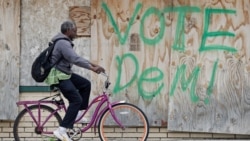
131 117
25 129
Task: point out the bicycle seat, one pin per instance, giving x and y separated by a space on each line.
54 88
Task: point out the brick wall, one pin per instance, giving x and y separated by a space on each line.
156 133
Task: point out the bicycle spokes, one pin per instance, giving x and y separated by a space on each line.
133 120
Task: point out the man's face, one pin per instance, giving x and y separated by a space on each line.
72 33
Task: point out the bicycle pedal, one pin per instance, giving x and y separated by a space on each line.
75 134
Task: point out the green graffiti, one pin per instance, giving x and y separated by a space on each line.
206 34
178 44
159 75
211 83
179 41
144 78
181 71
122 39
119 60
185 82
160 35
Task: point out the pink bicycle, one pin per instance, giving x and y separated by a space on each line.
114 120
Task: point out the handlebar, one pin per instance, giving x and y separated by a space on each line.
106 83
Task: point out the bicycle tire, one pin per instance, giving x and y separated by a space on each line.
24 128
135 122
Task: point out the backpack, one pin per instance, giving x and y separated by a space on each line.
41 66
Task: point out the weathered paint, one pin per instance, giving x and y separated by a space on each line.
9 58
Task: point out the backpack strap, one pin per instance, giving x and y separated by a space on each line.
54 42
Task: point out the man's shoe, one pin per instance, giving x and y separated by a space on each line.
57 134
65 137
62 135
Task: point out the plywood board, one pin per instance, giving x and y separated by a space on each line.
9 58
191 69
135 56
209 79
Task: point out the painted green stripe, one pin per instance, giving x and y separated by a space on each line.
34 89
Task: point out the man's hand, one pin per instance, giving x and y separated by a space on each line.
99 69
96 68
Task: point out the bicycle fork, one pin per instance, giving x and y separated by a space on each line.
114 116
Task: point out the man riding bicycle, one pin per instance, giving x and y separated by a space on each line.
75 88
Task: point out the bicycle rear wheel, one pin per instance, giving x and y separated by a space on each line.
130 116
25 129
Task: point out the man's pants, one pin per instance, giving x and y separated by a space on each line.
77 91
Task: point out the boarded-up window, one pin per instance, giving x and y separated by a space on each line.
81 16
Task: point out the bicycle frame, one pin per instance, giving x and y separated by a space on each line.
38 123
101 99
